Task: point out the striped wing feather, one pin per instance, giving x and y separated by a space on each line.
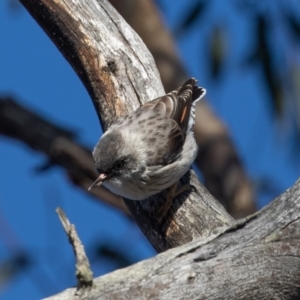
172 118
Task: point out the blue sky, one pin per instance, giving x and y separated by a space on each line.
35 72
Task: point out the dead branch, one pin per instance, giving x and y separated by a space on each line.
256 258
84 273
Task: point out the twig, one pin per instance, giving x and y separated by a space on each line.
83 271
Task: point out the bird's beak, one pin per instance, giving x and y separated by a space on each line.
98 181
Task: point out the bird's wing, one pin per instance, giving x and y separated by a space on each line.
171 114
177 104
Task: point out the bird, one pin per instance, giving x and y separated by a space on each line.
151 148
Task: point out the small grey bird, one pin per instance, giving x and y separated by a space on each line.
151 148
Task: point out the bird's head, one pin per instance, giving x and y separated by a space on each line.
114 158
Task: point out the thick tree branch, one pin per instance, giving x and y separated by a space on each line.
256 258
119 74
144 17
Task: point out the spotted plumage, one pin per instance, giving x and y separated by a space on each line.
151 148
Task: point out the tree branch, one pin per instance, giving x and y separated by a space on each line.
120 75
255 258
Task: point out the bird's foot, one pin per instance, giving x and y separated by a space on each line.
172 194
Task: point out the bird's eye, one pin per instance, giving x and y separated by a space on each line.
119 165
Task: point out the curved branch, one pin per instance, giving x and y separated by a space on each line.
119 74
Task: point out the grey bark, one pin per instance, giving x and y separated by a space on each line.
217 258
256 258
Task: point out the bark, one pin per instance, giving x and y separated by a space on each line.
221 167
120 77
144 17
256 258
